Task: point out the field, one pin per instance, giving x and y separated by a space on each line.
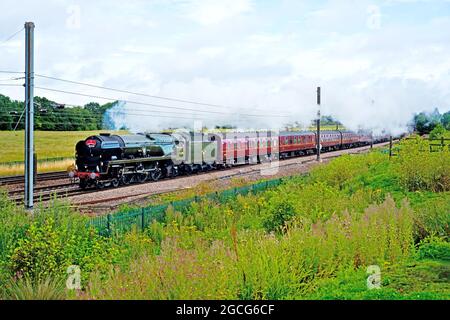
312 237
58 146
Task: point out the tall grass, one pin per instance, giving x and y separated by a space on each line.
257 265
48 166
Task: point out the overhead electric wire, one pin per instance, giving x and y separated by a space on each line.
155 105
11 85
12 36
12 79
66 112
136 93
142 115
16 72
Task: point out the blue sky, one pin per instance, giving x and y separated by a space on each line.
246 54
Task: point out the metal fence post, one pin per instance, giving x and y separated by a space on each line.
108 223
143 219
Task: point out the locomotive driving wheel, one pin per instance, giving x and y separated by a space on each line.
126 179
100 185
156 174
141 177
83 184
115 183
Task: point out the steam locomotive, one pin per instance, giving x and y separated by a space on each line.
111 160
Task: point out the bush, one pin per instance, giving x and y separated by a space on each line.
277 216
45 244
434 248
418 169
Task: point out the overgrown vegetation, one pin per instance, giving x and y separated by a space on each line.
312 237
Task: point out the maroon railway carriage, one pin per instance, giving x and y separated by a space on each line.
248 147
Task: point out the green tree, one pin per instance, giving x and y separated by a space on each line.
437 132
445 120
425 122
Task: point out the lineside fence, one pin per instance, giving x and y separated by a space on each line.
143 217
439 144
434 145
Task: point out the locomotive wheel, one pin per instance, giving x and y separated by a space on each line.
156 174
141 177
100 185
83 184
115 183
126 179
188 170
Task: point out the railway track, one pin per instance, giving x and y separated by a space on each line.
48 176
47 193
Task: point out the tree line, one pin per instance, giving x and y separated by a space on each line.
427 122
51 116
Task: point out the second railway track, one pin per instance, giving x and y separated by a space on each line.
48 176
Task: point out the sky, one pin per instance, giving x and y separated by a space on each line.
377 62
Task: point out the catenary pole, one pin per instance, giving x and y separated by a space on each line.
29 114
318 125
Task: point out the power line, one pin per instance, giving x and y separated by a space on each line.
16 72
11 85
141 115
57 113
12 79
11 36
134 93
156 105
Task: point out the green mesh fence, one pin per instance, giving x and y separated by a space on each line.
141 218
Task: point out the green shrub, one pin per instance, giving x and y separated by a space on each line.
277 215
48 249
434 248
419 169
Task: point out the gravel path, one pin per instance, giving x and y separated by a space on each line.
108 199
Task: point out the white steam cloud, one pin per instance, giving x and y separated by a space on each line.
387 105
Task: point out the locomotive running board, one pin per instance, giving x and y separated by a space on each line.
138 160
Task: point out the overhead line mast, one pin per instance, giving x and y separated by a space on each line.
29 114
318 125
